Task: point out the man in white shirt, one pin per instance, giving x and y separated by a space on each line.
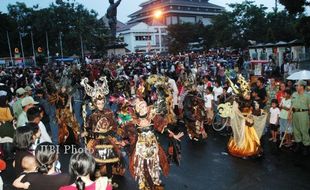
217 91
34 115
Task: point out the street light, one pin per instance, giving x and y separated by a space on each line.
157 15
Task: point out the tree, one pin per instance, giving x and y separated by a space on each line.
281 27
304 28
295 6
71 19
298 7
179 35
7 24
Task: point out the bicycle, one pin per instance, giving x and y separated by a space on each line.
219 123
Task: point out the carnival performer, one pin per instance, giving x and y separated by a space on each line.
68 126
148 159
247 122
102 139
194 115
163 104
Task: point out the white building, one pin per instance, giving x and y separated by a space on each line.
142 37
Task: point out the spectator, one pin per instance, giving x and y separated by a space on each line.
300 116
209 98
23 140
217 91
47 177
28 90
44 107
274 120
261 92
27 103
34 116
82 166
29 165
272 90
285 125
281 93
6 125
17 106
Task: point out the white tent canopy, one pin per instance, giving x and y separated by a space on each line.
300 75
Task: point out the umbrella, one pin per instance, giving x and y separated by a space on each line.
301 75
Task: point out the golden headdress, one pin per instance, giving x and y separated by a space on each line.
244 88
100 89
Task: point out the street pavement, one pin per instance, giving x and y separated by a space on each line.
207 165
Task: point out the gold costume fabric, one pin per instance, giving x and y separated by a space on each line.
247 131
249 147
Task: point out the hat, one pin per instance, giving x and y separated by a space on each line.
301 83
28 88
20 91
3 93
28 100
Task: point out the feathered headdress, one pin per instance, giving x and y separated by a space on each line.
100 89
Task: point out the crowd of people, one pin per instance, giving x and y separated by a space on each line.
116 108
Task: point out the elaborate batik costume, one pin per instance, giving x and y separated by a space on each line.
247 127
102 140
68 127
163 104
148 159
194 116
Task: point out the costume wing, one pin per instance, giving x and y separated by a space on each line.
259 124
237 125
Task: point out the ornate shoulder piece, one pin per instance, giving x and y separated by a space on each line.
225 110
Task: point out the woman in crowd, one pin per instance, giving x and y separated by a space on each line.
47 177
23 141
6 124
82 166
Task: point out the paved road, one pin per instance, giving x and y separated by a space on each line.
208 166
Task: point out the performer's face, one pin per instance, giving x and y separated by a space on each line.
100 104
142 108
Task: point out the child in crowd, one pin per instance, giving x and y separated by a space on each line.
30 166
285 125
274 120
209 98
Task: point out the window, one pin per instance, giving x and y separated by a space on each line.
163 30
143 38
187 19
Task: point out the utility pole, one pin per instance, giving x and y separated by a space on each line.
61 50
47 48
22 46
33 51
82 47
9 45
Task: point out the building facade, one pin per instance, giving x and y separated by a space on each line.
176 11
142 37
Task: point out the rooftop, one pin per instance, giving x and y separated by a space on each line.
158 4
